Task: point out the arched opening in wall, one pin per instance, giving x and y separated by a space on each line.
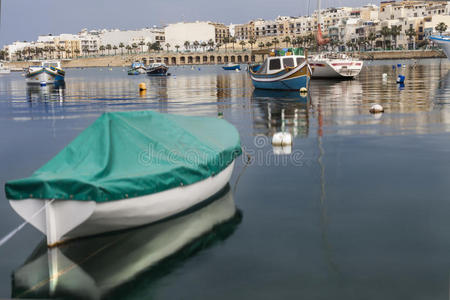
173 60
212 59
239 58
253 58
158 59
205 59
225 59
219 59
246 58
197 59
151 60
190 60
233 59
182 60
166 60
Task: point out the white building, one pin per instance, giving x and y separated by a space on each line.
179 33
128 37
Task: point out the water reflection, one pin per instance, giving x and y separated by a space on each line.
101 267
46 93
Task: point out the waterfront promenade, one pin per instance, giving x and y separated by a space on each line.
208 58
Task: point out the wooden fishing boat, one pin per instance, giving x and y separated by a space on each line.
126 170
137 68
157 69
232 67
104 263
49 72
290 72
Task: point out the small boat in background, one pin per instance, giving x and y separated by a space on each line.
3 69
232 67
335 65
157 69
126 170
290 72
49 72
444 42
137 68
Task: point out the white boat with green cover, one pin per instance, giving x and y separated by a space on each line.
127 169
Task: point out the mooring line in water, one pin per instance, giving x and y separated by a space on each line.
7 237
247 163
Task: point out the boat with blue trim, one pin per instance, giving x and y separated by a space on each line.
157 69
231 67
443 41
137 68
49 72
290 72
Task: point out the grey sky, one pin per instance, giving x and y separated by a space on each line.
26 19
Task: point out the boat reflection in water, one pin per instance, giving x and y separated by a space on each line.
280 111
100 267
51 92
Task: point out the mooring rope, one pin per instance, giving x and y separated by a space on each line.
246 164
7 237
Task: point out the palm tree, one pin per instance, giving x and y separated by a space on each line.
275 42
395 32
134 46
261 45
203 45
77 51
242 43
268 44
251 41
211 44
371 38
2 55
411 33
187 44
121 46
149 46
108 47
233 41
128 47
196 44
287 40
441 27
102 48
167 46
177 47
226 40
142 44
115 49
385 32
349 45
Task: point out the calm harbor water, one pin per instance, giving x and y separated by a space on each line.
359 209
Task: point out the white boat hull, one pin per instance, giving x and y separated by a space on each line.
42 77
444 43
4 71
340 69
64 220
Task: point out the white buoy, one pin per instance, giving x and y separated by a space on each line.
282 139
237 70
286 150
377 108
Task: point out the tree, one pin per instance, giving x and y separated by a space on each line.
385 32
2 55
411 33
108 47
115 49
203 45
261 45
371 38
275 42
349 45
187 44
134 46
128 47
226 40
102 48
268 44
287 40
121 46
142 44
441 27
242 43
233 41
251 41
211 44
177 47
395 32
77 51
149 46
196 44
167 46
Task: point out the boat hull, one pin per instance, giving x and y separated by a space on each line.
295 79
44 75
137 71
444 42
4 71
232 68
158 71
59 223
336 69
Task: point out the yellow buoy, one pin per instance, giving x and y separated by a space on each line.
142 86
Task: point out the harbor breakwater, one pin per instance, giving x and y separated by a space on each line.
202 58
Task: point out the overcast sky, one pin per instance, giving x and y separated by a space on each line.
26 19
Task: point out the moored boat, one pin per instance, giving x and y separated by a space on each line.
335 65
444 42
157 69
49 72
126 170
232 67
137 68
3 69
291 72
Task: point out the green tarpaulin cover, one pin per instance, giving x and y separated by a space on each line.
130 154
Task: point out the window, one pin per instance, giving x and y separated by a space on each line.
288 62
275 64
300 60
